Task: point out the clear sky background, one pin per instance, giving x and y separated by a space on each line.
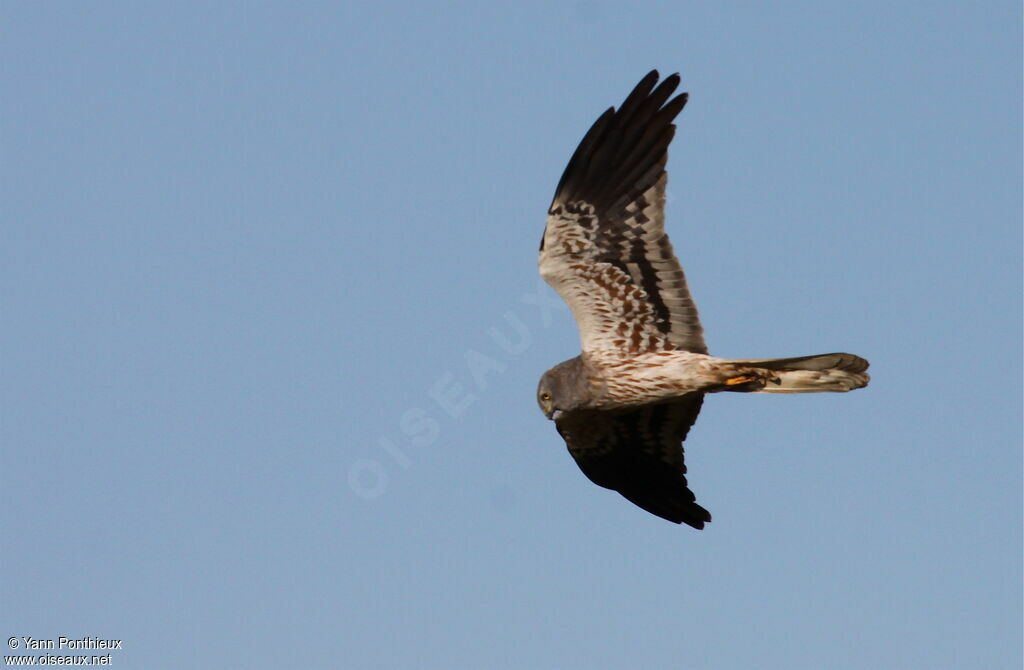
247 248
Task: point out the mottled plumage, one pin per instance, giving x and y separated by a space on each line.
626 403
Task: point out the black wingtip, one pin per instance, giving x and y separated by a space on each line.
697 517
623 144
670 82
667 496
693 515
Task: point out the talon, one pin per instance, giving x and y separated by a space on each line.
743 379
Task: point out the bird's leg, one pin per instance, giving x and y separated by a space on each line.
747 380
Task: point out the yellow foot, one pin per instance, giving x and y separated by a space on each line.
743 379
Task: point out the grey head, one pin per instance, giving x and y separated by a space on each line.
564 388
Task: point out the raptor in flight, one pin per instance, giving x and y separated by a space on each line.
625 404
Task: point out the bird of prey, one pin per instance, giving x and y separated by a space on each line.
625 404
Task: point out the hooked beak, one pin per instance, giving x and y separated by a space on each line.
553 414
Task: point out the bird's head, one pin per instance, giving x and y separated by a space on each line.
563 388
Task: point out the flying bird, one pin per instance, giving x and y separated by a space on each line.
625 404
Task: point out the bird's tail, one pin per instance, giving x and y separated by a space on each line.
803 374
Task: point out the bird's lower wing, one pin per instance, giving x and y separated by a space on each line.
639 453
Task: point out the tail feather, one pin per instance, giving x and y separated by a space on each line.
837 372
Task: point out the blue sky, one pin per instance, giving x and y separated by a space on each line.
272 328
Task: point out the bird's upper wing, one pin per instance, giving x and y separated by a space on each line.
639 454
604 248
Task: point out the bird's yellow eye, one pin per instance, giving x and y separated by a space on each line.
545 396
